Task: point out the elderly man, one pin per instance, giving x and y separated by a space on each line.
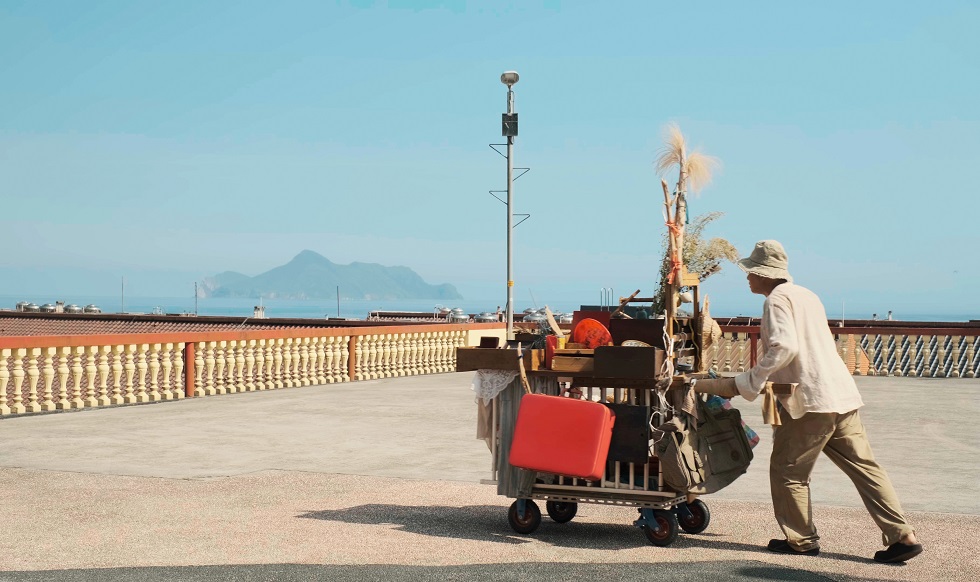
821 414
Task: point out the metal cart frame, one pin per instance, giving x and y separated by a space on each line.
662 512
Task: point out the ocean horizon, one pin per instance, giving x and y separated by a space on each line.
360 308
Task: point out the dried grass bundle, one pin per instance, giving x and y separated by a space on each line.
696 168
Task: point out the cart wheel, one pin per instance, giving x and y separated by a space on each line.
531 520
698 519
561 511
667 522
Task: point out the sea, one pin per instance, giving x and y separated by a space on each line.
346 308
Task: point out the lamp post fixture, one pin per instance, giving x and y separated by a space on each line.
509 130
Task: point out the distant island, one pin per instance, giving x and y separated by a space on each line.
310 275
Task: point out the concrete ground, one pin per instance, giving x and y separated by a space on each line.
380 480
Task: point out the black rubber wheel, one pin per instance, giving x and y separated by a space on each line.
699 519
561 511
531 521
667 522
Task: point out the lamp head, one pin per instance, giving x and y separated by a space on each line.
509 78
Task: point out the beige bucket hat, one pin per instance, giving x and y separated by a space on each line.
768 259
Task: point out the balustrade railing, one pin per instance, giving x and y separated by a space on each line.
49 373
915 352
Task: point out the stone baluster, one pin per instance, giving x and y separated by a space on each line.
376 355
971 357
179 389
129 396
437 353
398 354
250 365
941 356
4 381
91 375
445 350
33 374
117 374
344 351
47 374
63 402
76 377
141 367
881 365
911 351
332 355
219 367
272 361
321 354
724 357
260 364
227 376
17 406
379 344
200 350
390 355
359 355
286 372
364 357
927 353
279 359
422 353
379 356
153 365
103 367
241 383
166 364
297 360
956 346
305 374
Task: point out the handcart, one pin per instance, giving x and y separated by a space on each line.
662 512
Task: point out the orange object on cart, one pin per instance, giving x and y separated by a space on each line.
564 436
591 334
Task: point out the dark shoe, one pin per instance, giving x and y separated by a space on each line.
898 552
783 547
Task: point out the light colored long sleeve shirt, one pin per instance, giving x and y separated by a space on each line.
798 347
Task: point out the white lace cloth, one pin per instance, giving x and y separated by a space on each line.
488 383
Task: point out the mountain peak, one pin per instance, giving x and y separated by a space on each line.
308 256
310 275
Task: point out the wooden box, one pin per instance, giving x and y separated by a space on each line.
628 362
650 331
468 359
572 364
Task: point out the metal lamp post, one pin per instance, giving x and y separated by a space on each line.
509 130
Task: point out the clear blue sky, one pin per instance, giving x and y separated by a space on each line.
168 141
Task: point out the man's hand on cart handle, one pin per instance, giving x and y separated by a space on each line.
724 387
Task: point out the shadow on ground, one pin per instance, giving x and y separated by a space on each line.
676 572
487 523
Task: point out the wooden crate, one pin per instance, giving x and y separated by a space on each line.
572 364
628 362
468 359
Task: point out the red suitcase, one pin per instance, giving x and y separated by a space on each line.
565 436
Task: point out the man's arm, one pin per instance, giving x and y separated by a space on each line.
783 346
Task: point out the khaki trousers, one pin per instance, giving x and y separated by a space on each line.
796 446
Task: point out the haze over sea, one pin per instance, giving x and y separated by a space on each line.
359 309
